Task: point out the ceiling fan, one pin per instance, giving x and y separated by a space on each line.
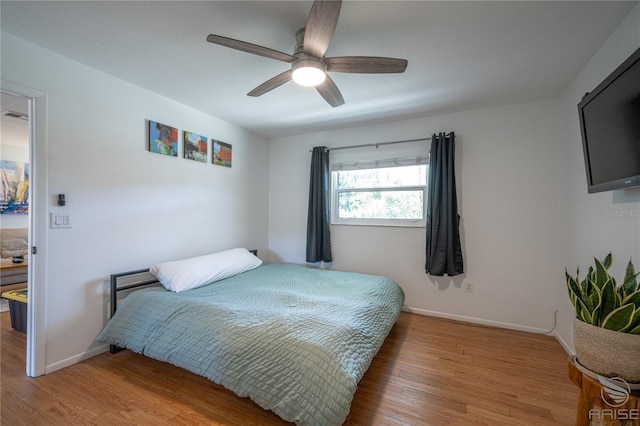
309 66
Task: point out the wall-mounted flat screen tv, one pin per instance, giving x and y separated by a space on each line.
610 126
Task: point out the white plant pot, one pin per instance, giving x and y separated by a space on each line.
606 352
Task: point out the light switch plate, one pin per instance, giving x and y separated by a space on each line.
60 220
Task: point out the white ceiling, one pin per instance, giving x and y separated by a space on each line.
462 55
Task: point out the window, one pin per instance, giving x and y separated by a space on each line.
390 192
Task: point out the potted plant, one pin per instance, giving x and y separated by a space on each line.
607 324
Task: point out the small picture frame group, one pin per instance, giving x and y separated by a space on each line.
163 139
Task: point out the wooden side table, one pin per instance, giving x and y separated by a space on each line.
8 265
12 274
593 410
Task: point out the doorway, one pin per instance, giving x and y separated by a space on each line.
14 97
14 211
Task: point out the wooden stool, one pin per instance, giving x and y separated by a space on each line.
593 410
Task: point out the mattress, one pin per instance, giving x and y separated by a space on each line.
295 340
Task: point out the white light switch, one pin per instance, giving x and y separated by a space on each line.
60 220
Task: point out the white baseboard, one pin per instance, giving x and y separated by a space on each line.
475 320
74 359
567 348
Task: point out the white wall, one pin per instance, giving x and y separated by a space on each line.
130 208
592 224
506 169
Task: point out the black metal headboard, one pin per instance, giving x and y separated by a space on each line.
116 288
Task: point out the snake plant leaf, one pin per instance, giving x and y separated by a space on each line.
634 323
593 299
601 275
630 283
619 298
586 297
585 315
629 271
620 319
588 306
572 296
585 285
606 262
595 304
633 298
635 320
577 302
635 330
610 301
573 286
578 305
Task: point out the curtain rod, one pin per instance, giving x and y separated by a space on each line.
377 144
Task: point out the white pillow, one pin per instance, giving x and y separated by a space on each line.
195 272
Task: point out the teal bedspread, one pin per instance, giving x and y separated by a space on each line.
295 340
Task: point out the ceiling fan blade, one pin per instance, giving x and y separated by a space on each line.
366 64
321 25
269 85
330 92
249 48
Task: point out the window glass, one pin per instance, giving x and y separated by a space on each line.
370 195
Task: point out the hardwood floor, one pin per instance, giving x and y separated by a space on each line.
429 372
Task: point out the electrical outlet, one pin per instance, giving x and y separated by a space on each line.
468 287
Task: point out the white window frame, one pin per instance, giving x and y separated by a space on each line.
335 192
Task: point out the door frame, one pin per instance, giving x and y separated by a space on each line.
38 225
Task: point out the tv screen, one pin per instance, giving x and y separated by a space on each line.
610 126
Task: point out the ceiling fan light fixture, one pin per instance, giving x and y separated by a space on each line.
309 72
309 65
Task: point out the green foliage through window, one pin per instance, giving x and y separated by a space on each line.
389 194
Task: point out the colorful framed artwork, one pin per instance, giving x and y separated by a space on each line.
221 154
194 146
163 139
14 188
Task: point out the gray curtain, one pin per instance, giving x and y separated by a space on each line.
444 253
318 236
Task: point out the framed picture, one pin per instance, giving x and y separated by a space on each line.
163 139
194 147
14 188
221 154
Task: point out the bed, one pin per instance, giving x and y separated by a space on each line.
295 340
